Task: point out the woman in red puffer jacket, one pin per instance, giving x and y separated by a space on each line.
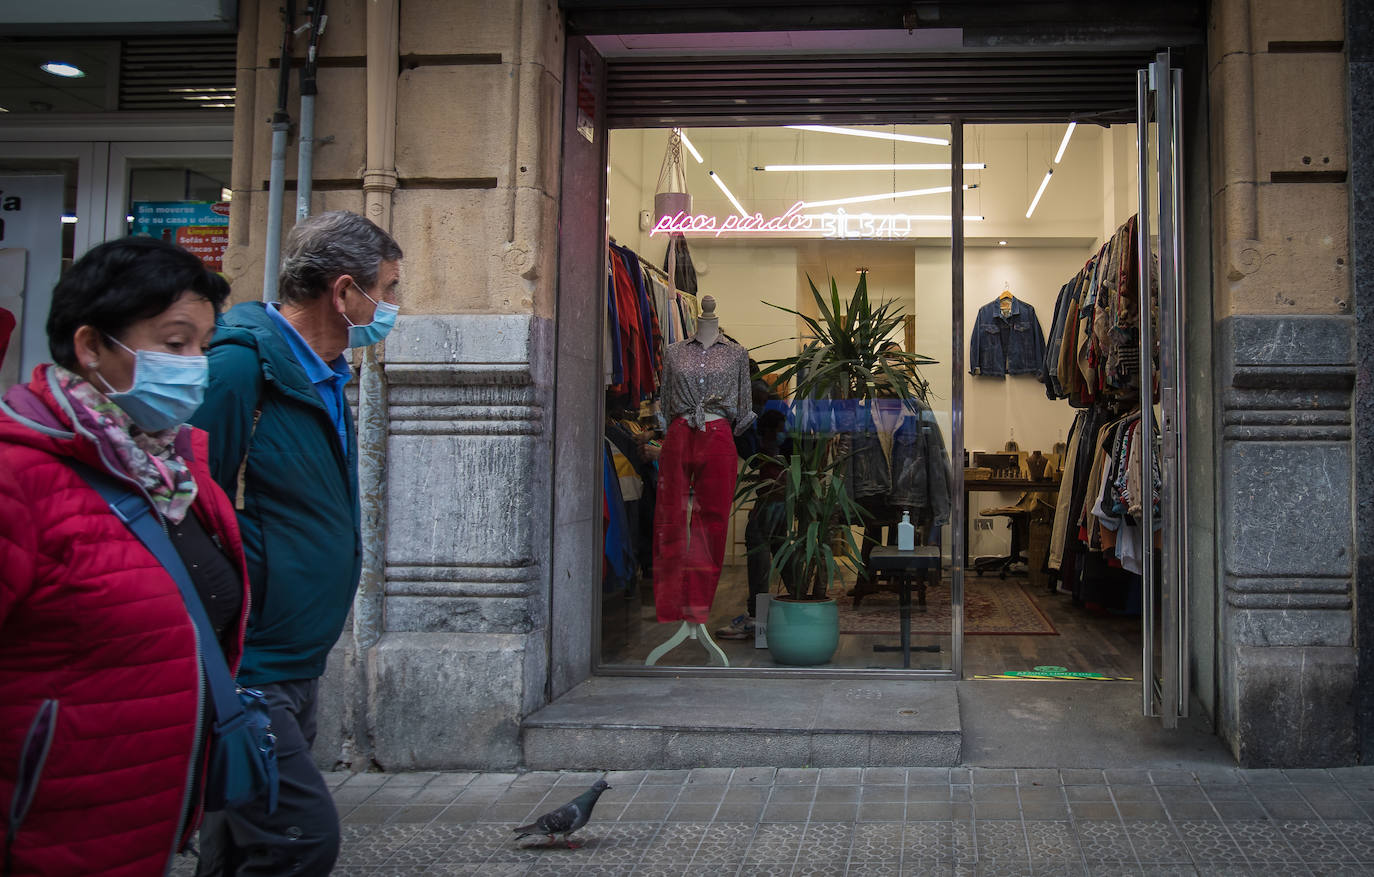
102 704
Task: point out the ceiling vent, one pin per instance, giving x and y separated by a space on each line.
181 73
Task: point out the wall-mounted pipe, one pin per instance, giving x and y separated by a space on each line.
305 161
276 185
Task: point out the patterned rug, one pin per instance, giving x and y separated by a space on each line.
992 607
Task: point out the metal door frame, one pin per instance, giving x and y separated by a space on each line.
1165 694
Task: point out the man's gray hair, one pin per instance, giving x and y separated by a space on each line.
327 245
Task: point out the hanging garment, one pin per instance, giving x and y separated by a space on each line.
619 570
615 374
697 472
636 354
685 274
897 459
1000 345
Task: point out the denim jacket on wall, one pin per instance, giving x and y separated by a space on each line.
1010 345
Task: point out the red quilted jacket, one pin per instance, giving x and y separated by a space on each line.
88 618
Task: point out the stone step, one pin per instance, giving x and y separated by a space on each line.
635 723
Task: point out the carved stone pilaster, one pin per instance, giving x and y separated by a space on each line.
1288 662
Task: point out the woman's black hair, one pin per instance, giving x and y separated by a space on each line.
120 282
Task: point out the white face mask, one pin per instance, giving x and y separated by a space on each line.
167 389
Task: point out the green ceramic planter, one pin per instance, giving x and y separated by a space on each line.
803 634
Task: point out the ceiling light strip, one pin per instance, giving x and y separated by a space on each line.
804 168
690 148
876 135
861 199
715 177
1038 192
1064 144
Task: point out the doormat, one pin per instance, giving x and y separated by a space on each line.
1062 674
1000 609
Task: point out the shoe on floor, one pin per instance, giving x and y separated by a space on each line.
741 627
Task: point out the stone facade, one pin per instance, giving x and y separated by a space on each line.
1285 337
464 625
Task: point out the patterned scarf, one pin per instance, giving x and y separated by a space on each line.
148 457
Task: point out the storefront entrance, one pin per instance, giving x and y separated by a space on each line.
1028 574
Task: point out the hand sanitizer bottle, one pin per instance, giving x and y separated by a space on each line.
906 533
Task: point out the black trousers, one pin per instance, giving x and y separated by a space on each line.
302 837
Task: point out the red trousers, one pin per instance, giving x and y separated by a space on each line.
696 488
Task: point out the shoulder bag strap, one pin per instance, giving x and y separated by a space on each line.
134 510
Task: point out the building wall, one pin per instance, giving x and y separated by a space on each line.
1286 365
448 647
450 641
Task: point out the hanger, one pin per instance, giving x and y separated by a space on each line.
1006 292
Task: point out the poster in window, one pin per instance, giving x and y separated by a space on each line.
201 227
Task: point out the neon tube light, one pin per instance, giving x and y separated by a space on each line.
877 135
728 194
1038 192
1063 144
861 199
690 148
795 223
802 168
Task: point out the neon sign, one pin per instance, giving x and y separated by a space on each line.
839 224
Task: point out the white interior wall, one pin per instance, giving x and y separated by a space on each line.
1091 192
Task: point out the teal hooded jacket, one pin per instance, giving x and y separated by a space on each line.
275 451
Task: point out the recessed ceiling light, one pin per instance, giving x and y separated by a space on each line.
1001 243
63 69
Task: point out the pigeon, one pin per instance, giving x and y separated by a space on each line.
566 819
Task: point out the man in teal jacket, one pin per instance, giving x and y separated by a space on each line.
282 444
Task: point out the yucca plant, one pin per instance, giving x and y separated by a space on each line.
842 358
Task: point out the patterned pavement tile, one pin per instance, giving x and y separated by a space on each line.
1112 868
1052 842
718 854
1156 843
1261 842
933 841
1000 840
1356 835
876 842
1313 842
1004 868
1104 841
1209 841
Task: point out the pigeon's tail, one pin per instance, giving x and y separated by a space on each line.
527 830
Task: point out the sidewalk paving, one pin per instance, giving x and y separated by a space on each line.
773 822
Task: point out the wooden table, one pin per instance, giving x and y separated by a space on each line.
907 569
988 485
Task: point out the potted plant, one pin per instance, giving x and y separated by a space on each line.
846 356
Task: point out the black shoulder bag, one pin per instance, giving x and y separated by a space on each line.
243 754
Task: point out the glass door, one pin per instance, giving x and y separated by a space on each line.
1160 228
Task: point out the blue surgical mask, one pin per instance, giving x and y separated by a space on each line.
367 334
167 390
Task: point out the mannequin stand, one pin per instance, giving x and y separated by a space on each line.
690 630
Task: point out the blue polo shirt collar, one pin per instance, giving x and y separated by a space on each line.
317 371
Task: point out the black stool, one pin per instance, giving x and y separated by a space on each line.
907 570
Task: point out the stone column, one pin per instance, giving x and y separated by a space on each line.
1287 662
462 653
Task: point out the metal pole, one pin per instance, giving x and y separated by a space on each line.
1147 566
1180 497
305 161
276 187
1171 668
956 522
